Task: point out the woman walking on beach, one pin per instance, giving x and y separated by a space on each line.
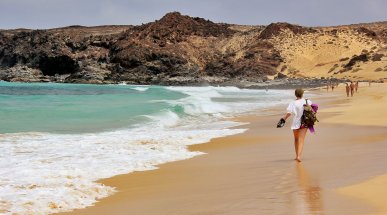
296 108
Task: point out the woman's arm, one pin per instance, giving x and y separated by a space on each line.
287 115
282 121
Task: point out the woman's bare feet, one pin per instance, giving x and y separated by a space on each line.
297 159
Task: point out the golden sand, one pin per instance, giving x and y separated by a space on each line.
367 107
254 172
373 191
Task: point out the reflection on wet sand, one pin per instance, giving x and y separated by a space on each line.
307 198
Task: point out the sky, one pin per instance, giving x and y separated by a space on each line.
42 14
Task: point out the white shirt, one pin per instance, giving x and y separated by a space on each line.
296 108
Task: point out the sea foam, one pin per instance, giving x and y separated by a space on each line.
43 173
52 173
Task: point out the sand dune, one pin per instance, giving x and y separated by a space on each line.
325 55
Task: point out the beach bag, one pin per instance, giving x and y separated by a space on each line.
308 118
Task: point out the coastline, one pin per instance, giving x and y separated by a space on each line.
254 171
179 49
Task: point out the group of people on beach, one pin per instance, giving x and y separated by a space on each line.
351 88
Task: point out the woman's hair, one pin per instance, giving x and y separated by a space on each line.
299 93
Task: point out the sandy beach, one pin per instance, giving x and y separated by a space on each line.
133 107
343 169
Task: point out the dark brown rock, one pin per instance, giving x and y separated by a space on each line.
175 28
356 58
367 32
274 29
377 57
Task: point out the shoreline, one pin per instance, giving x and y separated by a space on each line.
275 84
222 181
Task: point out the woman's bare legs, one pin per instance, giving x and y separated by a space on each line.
296 134
299 137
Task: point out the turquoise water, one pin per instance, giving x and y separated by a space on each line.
77 108
61 139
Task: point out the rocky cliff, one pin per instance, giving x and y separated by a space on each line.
183 50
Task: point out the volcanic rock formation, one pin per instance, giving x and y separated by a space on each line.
182 50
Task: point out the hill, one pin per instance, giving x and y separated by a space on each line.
183 50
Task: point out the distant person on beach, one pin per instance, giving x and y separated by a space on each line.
296 108
347 89
333 86
352 86
356 85
369 83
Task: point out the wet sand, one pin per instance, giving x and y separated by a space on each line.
254 172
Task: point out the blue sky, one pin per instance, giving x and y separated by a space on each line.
57 13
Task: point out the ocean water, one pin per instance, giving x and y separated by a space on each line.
57 140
